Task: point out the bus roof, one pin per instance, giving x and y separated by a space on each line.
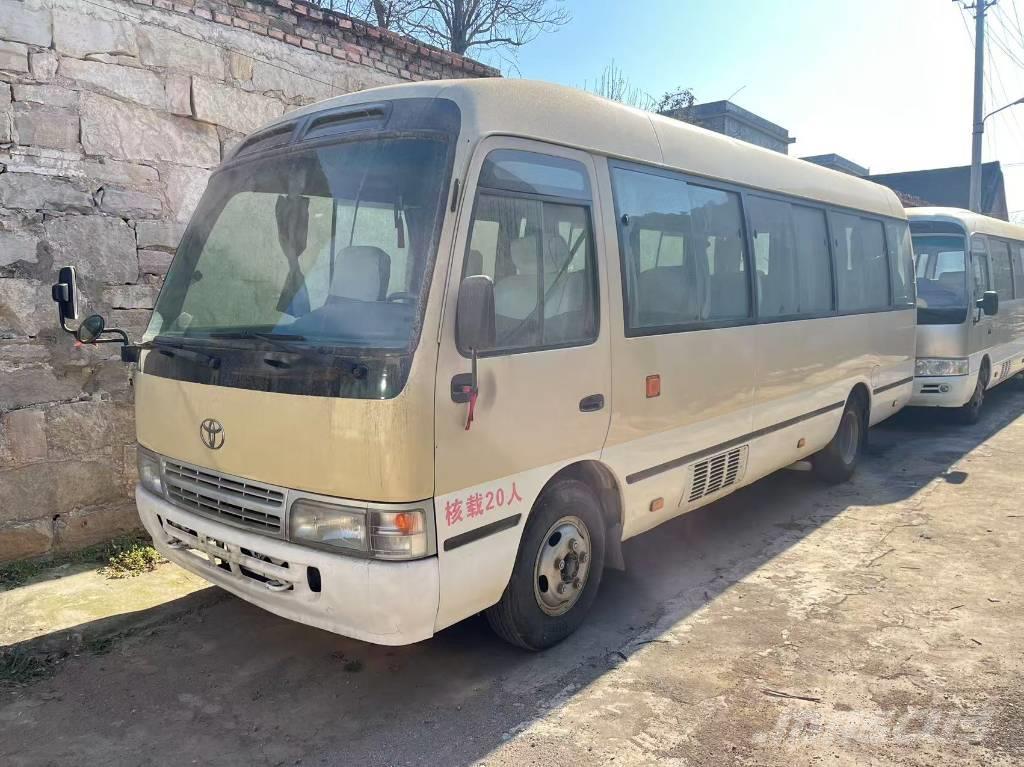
575 118
971 222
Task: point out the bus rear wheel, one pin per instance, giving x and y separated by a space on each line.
838 460
970 413
557 571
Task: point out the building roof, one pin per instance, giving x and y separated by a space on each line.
950 187
575 118
710 110
972 222
837 162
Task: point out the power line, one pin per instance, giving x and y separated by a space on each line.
140 20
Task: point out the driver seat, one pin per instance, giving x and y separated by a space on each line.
361 273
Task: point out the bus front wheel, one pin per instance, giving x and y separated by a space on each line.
557 571
838 460
970 413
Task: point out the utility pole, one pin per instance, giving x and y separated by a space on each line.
980 7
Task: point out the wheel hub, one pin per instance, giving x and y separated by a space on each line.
562 567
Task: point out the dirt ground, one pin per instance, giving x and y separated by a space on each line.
878 622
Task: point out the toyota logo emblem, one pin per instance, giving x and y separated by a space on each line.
211 431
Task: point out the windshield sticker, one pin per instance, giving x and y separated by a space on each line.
476 505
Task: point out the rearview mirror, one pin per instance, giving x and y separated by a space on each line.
989 303
90 329
474 316
65 294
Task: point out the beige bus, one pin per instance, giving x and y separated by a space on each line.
436 349
970 297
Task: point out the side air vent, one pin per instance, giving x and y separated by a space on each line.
716 473
1005 370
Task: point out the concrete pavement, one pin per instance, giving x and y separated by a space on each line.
877 622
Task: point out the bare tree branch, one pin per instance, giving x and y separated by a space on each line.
459 25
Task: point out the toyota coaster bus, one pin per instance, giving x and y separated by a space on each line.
970 299
440 348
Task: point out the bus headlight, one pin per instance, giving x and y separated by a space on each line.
935 366
149 470
400 534
341 527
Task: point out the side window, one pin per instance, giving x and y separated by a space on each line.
682 251
1018 270
1002 272
814 269
979 266
862 265
539 253
792 258
901 263
771 227
717 228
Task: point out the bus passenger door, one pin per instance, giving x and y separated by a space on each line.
528 223
980 325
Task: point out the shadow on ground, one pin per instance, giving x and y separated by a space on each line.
232 684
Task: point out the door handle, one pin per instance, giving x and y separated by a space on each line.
592 403
461 385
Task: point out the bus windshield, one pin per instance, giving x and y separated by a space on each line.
329 245
941 278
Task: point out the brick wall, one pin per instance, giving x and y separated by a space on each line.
112 113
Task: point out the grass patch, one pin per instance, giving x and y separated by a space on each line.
133 558
18 573
20 668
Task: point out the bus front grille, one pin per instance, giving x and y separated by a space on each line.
229 499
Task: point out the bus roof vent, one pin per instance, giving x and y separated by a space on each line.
347 120
716 473
271 138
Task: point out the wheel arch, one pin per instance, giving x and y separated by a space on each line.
603 482
985 369
862 392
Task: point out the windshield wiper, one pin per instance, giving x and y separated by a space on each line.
286 342
177 349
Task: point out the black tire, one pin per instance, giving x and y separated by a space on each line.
837 462
970 413
519 617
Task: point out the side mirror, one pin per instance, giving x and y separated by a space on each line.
474 316
90 329
989 303
65 294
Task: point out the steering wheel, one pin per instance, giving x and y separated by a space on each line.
402 296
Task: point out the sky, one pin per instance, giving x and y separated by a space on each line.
885 83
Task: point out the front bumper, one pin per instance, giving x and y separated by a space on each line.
390 603
942 391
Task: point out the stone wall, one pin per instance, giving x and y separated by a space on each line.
112 113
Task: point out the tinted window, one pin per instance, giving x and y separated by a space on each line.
979 268
774 257
534 173
540 256
1018 270
792 258
901 263
1002 272
683 252
717 227
862 265
814 272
